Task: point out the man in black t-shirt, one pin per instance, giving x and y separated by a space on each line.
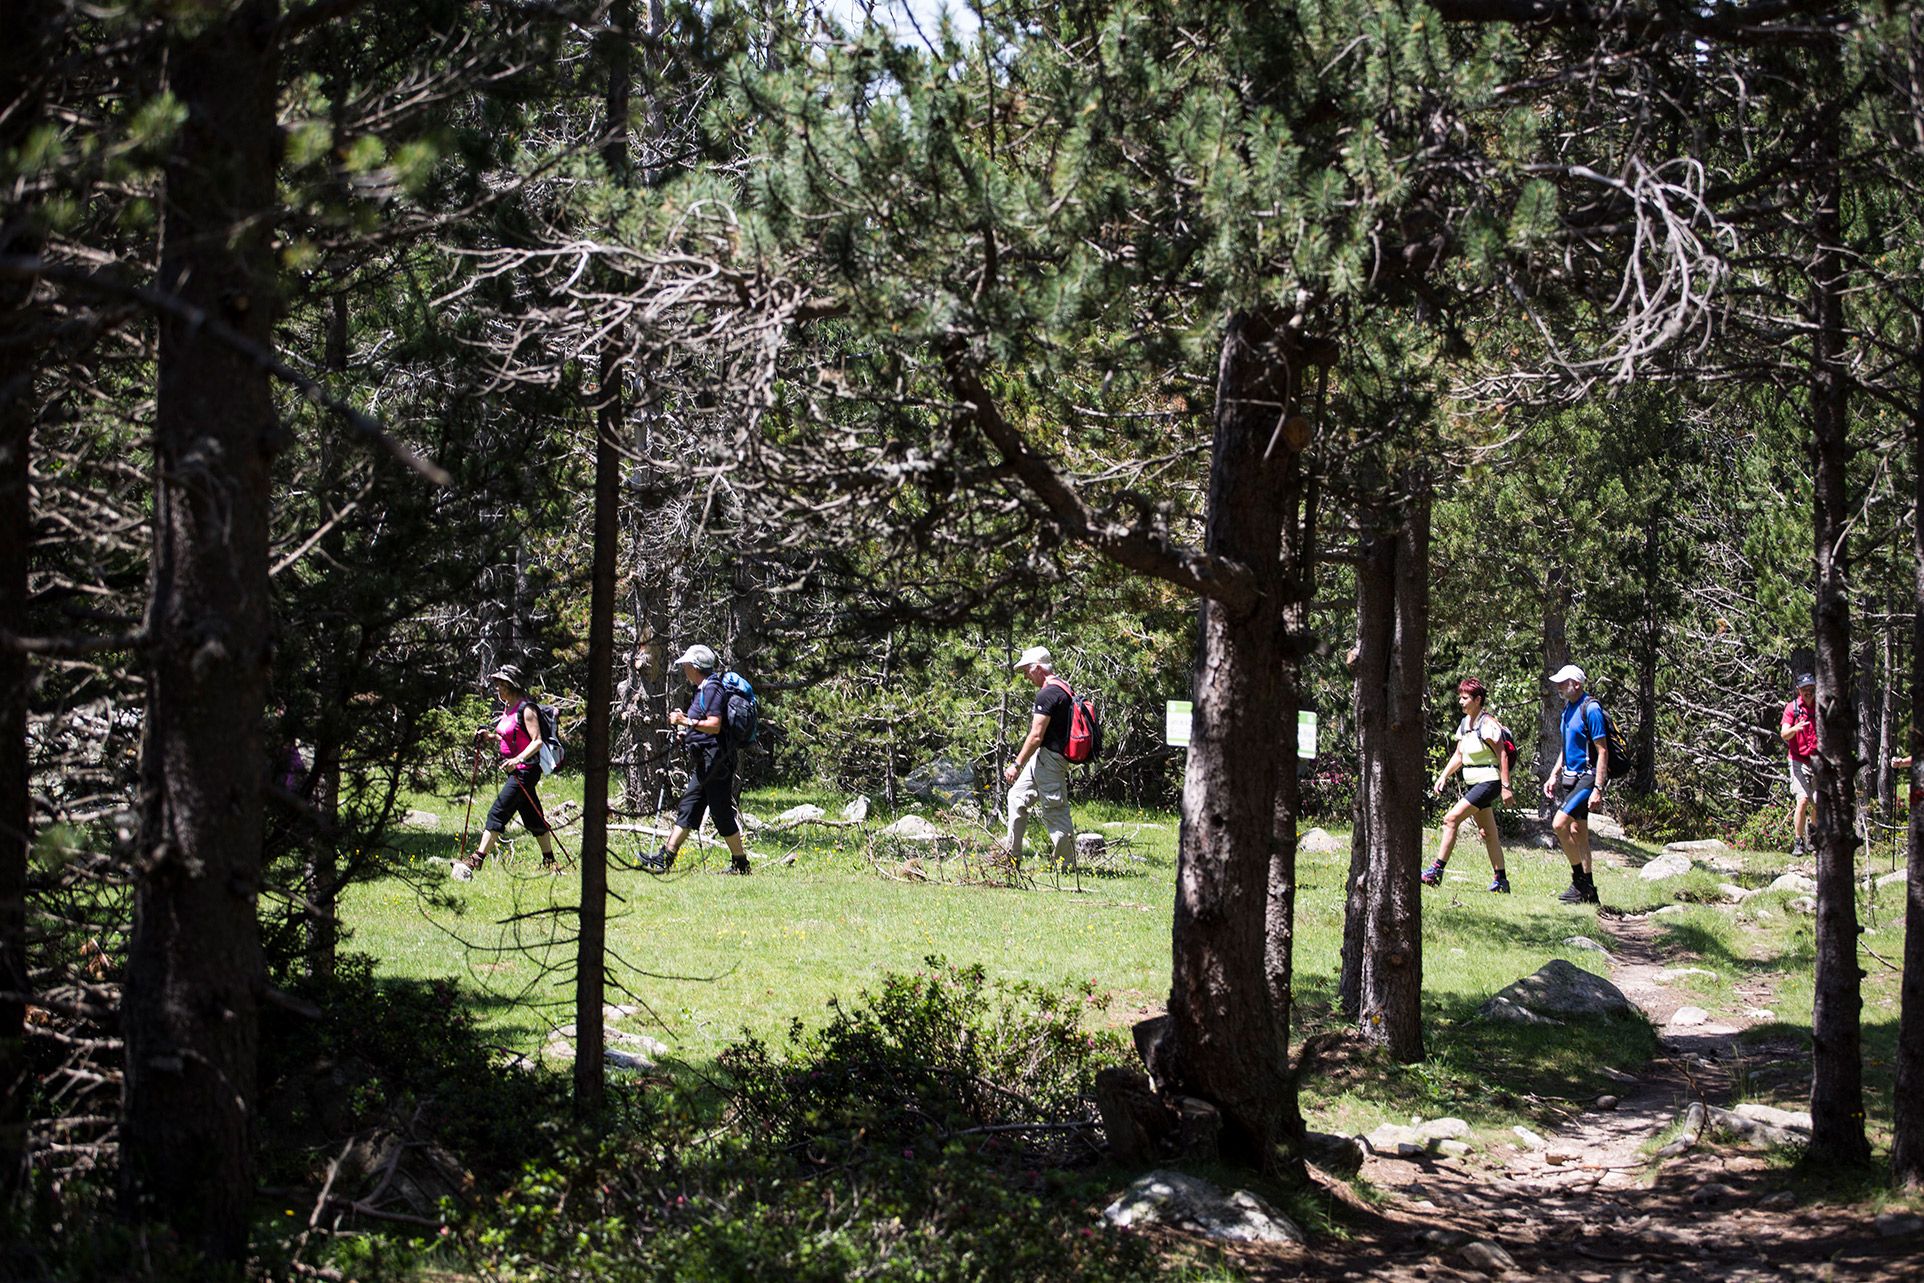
1039 776
711 766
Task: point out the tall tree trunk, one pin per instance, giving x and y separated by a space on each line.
323 874
1837 1075
21 57
1229 1039
1643 777
194 958
1349 983
1907 1123
1556 653
610 425
1393 596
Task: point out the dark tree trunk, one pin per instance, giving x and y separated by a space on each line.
194 958
1643 777
323 873
1837 1074
1393 633
1865 699
610 425
1349 983
1556 653
1907 1123
20 60
1229 1008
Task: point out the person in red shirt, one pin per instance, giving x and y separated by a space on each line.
1798 730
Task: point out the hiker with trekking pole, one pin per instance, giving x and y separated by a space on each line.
719 720
518 734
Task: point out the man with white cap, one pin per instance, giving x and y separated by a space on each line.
1578 783
1798 730
711 765
1038 778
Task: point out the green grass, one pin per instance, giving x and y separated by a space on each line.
709 958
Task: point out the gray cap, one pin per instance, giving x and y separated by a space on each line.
1034 655
700 656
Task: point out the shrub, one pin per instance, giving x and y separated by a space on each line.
1767 829
1660 817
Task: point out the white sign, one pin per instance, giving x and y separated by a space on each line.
1179 714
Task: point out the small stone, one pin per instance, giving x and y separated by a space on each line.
1769 1116
1585 942
1443 1129
1487 1257
1796 883
1529 1138
422 820
1765 915
1562 1157
1893 878
1671 910
1898 1224
1320 842
913 828
1777 1202
1759 1013
1444 1239
1734 893
803 814
1712 1192
1701 846
1802 904
1684 1017
1606 1102
1453 1148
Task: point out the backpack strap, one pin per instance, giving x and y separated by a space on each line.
1052 679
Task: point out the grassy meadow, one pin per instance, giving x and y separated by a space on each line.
830 910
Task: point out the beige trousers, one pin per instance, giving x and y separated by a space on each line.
1042 789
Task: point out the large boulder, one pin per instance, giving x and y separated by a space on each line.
1670 864
1189 1202
1321 842
1560 990
1698 849
1795 883
1606 826
913 828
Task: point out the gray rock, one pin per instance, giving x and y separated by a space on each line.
1321 842
1670 975
856 811
1685 1017
1898 1224
913 828
1759 1014
626 1059
1454 1148
942 782
1397 1140
1585 942
422 820
1734 893
1091 848
1444 1239
1501 1009
1529 1138
1793 1119
1560 988
1894 877
1341 1154
1752 1131
1606 1102
1487 1257
1606 826
1697 849
1562 1157
1777 1202
803 814
1801 904
1664 867
1671 910
1188 1202
1796 883
1443 1129
1712 1192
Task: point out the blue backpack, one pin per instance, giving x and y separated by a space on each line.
741 715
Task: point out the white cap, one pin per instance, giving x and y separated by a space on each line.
1034 655
1568 673
700 656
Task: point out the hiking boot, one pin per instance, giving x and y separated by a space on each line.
1797 847
1590 895
1573 894
1500 883
658 861
737 869
465 868
1433 876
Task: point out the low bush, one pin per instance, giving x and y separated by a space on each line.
1767 829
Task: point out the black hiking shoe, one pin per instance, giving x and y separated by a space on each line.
657 862
1433 876
737 869
1590 895
1500 883
1573 894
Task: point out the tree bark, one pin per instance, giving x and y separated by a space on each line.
610 423
1907 1122
1837 1076
20 60
194 958
1349 983
1393 599
1229 1031
1643 776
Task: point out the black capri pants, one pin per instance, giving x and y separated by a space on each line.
711 787
517 795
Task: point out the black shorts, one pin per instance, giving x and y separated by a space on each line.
1573 794
711 788
1483 796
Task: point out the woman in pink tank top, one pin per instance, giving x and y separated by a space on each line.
517 733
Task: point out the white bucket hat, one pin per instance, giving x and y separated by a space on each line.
1034 655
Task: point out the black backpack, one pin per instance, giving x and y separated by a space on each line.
1613 736
741 713
553 754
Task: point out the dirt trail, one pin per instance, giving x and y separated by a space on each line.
1584 1202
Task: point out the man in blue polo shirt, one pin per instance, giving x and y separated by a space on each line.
1579 781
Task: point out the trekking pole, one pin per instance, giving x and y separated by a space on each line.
544 817
474 778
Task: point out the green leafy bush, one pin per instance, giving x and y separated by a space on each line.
1766 829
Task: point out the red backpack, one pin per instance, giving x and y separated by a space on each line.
1085 729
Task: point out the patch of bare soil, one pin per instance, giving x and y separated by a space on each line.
1587 1203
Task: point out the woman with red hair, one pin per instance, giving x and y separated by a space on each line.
1486 772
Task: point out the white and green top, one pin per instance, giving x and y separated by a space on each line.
1477 745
